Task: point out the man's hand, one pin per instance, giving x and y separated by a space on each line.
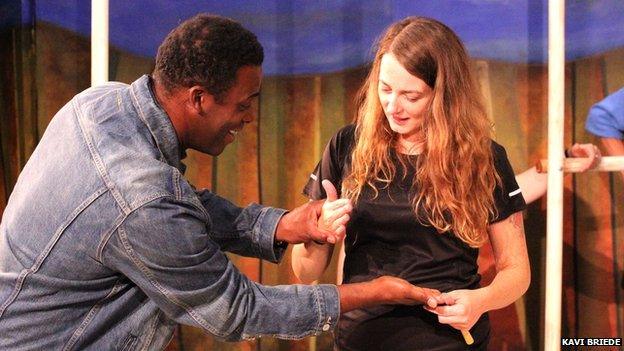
399 291
590 152
381 291
322 221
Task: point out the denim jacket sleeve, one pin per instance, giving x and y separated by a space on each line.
163 247
245 231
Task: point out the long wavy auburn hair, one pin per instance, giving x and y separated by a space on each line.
455 175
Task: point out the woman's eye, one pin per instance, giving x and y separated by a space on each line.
412 98
243 107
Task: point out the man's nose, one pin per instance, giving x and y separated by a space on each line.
250 115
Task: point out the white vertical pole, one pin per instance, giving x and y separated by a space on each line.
99 42
554 223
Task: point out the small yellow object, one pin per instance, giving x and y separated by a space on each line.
467 337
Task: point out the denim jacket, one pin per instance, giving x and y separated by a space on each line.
104 245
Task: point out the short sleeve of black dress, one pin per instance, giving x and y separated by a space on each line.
332 165
507 197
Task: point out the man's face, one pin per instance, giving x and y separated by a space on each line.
219 123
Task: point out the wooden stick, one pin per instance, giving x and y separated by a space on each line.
467 337
574 164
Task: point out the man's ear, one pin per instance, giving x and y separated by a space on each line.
199 99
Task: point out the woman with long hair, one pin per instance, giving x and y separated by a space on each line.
428 187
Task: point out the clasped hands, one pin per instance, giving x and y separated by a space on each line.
320 221
460 309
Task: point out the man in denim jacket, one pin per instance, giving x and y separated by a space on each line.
104 245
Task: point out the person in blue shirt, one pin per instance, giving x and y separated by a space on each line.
104 245
606 120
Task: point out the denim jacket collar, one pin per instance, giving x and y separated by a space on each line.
158 122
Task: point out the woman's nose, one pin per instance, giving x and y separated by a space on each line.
393 104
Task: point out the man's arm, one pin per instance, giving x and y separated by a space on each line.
247 231
384 290
165 250
255 230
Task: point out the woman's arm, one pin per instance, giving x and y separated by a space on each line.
513 273
309 260
462 308
532 184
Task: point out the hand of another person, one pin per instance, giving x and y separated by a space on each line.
460 309
385 290
589 152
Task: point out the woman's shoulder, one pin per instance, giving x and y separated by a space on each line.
498 150
346 133
344 139
501 161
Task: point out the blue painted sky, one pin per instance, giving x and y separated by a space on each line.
302 37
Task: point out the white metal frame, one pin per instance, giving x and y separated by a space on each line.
99 42
554 221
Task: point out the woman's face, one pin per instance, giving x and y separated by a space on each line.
404 98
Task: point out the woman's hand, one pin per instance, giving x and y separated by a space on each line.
460 309
335 212
311 258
